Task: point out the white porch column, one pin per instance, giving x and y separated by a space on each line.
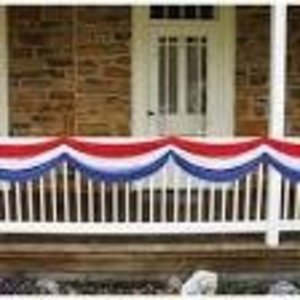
3 74
277 112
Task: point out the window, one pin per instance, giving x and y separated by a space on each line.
183 12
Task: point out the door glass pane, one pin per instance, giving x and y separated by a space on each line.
167 75
173 75
174 12
157 12
192 72
203 75
207 12
162 75
196 70
180 12
190 12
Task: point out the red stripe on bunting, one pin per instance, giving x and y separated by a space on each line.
288 148
29 150
117 150
215 150
131 149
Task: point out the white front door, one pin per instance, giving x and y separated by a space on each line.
183 72
182 62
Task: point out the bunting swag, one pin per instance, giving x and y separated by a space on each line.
219 175
129 159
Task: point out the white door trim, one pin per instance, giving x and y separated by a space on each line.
139 38
221 113
4 104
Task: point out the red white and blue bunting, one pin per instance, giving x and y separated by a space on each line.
128 159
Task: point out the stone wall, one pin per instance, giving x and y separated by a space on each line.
69 70
252 71
293 69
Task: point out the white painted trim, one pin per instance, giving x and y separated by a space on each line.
289 225
221 117
4 105
221 113
119 228
277 113
227 75
278 70
138 68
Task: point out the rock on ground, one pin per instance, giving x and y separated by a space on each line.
283 288
200 283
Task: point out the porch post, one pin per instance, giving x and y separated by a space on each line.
277 113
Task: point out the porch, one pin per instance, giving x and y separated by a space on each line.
166 198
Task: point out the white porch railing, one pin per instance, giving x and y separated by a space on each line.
64 201
171 201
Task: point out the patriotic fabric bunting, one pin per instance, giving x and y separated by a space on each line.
129 159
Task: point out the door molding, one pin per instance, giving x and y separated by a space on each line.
220 115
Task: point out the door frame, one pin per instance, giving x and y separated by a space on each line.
220 115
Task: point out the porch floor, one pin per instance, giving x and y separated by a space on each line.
146 255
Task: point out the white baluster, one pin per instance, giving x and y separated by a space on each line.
200 200
78 195
66 192
140 201
18 202
223 202
259 192
247 198
286 199
30 201
188 199
115 201
91 200
42 199
127 202
53 183
151 200
7 210
297 202
236 198
103 200
176 195
164 192
212 202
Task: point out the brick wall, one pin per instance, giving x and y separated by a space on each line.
69 70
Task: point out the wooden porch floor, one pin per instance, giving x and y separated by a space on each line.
146 255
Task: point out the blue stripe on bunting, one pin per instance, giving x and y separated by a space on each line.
120 176
292 174
218 175
32 173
